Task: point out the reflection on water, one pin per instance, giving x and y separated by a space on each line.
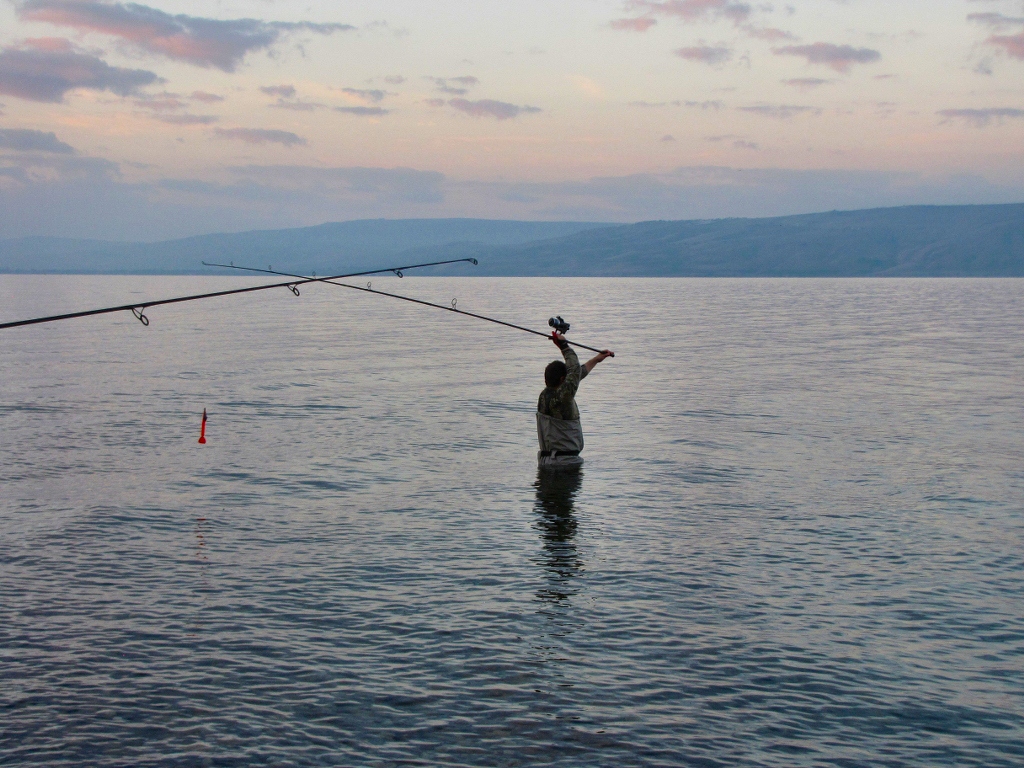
556 495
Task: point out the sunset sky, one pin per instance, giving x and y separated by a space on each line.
133 121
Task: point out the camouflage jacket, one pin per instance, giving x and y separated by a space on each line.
559 402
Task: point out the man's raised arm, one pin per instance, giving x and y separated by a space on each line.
589 365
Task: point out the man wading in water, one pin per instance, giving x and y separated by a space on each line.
558 418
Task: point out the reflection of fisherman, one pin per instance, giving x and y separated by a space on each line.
556 494
558 418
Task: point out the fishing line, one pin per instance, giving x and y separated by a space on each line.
369 289
139 309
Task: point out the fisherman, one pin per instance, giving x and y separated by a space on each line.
558 418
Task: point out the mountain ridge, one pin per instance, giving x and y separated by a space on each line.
909 241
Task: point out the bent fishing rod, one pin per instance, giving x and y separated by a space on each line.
559 324
139 308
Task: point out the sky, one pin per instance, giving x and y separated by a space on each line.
134 121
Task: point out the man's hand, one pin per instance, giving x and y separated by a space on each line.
559 340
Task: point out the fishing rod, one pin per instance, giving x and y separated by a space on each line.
557 323
139 309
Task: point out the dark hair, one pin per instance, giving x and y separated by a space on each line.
555 372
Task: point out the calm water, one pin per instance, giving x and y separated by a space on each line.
796 540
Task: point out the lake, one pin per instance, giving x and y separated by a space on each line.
796 539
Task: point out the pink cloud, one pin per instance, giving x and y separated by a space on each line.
770 34
46 69
633 25
695 10
199 41
1012 44
260 136
51 44
206 98
839 57
499 110
712 56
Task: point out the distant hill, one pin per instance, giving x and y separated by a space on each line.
918 241
922 241
325 248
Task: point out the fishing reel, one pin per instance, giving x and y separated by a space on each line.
559 325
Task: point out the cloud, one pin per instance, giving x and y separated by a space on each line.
694 10
43 71
281 91
667 138
780 111
25 140
633 25
461 84
199 41
187 119
368 95
434 102
839 57
206 98
712 56
286 99
394 80
770 34
1013 45
996 20
654 104
981 117
261 136
716 105
805 83
500 110
737 141
299 106
163 102
368 111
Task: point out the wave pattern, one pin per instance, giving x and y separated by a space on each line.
796 540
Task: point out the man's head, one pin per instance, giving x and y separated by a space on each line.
555 373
